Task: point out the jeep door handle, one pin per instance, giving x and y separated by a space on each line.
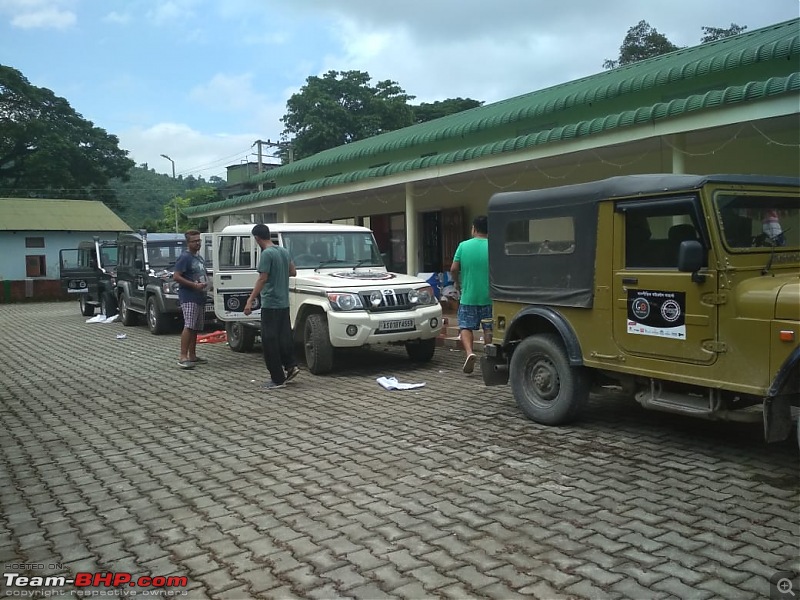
225 277
630 280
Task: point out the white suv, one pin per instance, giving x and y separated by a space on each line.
342 296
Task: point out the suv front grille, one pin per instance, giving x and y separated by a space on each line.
390 300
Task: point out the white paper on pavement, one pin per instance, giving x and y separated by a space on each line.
391 383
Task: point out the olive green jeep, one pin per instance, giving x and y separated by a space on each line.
683 290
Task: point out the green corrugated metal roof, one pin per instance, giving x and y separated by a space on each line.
39 214
746 67
716 98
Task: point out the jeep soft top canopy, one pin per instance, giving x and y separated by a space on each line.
567 279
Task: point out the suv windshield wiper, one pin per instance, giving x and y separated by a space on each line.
328 262
364 262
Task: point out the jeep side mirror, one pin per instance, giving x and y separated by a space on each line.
138 264
691 258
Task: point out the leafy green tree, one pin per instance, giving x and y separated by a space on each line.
712 34
343 107
429 111
642 41
144 196
49 150
193 197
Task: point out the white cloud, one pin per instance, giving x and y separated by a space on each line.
194 153
172 11
39 14
118 17
236 94
494 50
227 92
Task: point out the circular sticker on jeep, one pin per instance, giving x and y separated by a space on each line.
640 308
233 303
671 311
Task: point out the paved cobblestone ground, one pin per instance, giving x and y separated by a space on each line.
113 459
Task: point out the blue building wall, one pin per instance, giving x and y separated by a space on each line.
13 250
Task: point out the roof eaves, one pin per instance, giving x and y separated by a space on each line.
730 95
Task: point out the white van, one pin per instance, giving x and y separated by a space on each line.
342 296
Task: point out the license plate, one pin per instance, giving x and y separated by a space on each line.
396 325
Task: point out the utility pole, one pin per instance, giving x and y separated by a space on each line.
176 198
260 183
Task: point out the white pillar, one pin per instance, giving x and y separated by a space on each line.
412 251
678 153
284 213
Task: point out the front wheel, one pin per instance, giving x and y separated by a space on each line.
87 310
318 347
240 337
421 350
126 315
547 389
156 320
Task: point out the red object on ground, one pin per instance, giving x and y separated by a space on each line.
212 338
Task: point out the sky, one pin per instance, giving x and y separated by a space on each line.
201 80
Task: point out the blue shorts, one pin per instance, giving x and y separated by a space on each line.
471 316
193 315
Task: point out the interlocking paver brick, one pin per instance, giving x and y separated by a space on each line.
337 489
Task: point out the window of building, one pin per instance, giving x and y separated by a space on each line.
34 242
35 266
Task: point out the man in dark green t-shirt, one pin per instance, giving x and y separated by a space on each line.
275 266
470 272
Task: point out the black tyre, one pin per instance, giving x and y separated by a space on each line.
240 337
317 342
108 304
87 310
157 321
421 350
547 389
126 315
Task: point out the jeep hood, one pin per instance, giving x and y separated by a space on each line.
347 278
770 297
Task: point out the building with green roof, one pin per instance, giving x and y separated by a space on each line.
729 106
33 230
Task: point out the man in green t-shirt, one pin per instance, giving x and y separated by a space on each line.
275 266
470 272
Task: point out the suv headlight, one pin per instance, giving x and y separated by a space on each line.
344 301
170 287
421 296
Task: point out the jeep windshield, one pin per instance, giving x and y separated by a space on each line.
759 222
311 250
163 256
108 256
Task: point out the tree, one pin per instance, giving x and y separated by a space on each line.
49 150
424 112
194 197
642 41
712 34
342 107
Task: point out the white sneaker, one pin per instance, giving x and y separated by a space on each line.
469 364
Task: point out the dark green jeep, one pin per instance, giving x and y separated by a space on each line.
89 272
